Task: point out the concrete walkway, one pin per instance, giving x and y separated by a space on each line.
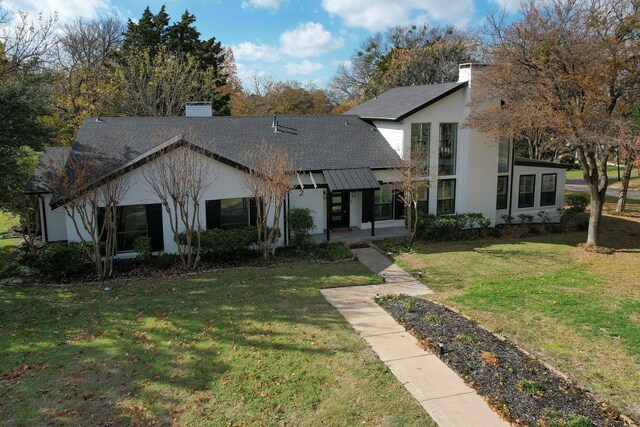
440 391
580 186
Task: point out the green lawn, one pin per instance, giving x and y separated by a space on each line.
7 222
241 347
612 172
578 311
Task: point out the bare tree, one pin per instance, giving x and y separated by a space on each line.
270 179
180 178
25 40
577 60
91 207
412 180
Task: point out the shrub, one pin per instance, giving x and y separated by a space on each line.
335 251
577 202
164 261
452 227
228 244
300 222
63 260
508 219
142 245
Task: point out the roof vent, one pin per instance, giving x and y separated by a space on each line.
198 109
275 121
99 120
276 127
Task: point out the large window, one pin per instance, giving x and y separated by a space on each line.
225 213
423 200
503 192
383 203
420 141
548 189
446 197
447 151
527 191
503 156
131 223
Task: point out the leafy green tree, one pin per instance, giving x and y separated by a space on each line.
154 35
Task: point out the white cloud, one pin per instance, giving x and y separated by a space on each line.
307 40
272 5
252 52
302 68
510 6
376 15
65 9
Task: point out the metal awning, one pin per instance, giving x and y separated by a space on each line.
350 179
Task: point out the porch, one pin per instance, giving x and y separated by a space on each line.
355 235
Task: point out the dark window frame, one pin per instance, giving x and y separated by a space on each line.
214 217
376 205
508 162
454 148
439 210
532 194
425 145
551 201
505 202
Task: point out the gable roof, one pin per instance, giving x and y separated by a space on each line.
400 102
315 142
42 177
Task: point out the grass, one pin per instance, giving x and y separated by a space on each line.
7 223
240 347
612 172
579 311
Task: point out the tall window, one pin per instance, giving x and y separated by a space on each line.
527 191
383 203
131 223
420 140
548 189
423 200
503 191
447 151
446 197
503 156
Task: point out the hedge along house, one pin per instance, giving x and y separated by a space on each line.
345 166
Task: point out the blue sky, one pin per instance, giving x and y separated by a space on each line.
285 39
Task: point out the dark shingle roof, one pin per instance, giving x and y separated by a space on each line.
400 102
316 142
523 161
350 179
43 176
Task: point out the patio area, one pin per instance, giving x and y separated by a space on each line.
355 235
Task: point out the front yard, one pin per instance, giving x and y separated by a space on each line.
249 346
578 311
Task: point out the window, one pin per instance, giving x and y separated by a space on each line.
503 156
229 213
548 189
383 203
131 223
446 197
420 140
447 152
423 200
503 191
234 212
526 191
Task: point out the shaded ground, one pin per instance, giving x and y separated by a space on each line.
250 346
519 387
577 310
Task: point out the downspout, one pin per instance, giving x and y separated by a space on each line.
286 222
513 166
44 220
328 192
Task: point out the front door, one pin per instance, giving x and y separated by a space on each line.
339 209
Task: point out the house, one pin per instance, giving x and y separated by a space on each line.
346 165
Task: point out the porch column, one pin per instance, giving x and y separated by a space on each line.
329 203
373 213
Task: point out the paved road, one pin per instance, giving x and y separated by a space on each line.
580 185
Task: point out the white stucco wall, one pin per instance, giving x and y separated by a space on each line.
551 210
393 132
315 200
226 182
56 222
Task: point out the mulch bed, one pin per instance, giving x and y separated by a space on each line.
516 385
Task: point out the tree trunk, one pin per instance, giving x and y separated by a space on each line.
594 171
626 176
